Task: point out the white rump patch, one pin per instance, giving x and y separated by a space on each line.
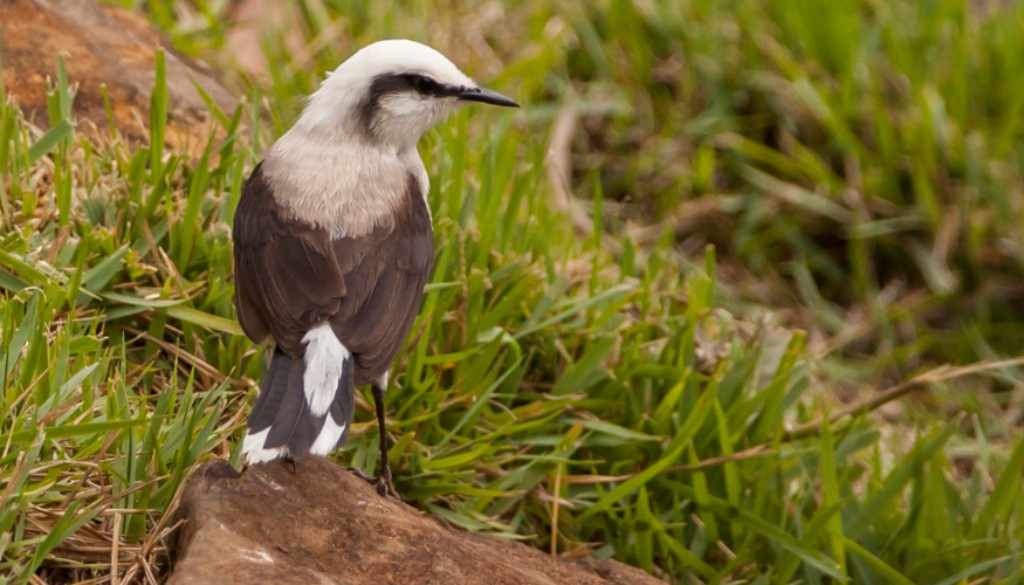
328 437
325 357
252 448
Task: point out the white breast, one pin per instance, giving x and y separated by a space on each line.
347 187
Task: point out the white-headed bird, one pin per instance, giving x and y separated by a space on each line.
333 244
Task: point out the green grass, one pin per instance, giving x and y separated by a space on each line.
787 216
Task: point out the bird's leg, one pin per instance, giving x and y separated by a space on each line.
383 479
289 462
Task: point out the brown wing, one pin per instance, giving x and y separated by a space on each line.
286 276
384 276
290 276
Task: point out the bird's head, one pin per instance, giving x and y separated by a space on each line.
391 92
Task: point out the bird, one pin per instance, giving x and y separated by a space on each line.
333 244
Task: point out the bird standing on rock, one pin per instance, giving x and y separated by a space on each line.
333 244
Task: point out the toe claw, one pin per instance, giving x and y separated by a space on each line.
385 487
359 473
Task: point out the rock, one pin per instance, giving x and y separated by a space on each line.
103 44
318 523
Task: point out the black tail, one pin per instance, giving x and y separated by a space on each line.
281 422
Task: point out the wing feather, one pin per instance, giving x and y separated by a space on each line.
286 277
385 287
290 276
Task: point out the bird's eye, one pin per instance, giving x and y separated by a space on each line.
424 85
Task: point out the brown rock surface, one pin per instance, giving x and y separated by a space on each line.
102 44
321 524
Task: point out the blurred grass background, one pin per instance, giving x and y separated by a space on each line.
737 297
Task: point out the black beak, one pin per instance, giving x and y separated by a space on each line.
486 96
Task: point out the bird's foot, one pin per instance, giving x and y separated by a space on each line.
289 462
383 482
359 473
386 486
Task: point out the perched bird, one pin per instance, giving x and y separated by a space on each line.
333 244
